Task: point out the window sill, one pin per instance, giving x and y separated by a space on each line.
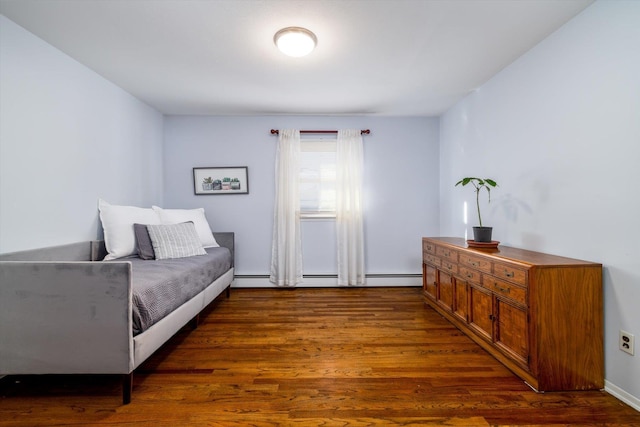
319 216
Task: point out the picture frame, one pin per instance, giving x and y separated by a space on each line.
212 181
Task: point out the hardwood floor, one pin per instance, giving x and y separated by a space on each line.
330 357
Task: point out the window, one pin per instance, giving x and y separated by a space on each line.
318 178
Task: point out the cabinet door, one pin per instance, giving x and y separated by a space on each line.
429 284
460 299
445 290
481 311
511 330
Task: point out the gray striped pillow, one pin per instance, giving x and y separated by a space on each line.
175 240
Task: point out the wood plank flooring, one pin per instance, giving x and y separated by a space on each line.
310 357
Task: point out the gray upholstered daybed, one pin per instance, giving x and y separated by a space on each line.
62 312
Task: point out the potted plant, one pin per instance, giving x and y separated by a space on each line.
207 184
235 184
481 233
226 183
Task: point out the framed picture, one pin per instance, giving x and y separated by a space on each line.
221 180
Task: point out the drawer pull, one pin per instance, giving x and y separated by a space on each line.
474 264
501 289
469 276
508 273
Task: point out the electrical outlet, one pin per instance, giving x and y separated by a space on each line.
625 343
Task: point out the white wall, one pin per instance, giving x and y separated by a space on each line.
401 191
67 137
559 130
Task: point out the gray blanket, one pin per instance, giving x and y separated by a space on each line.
161 286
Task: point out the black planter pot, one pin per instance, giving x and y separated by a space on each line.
482 234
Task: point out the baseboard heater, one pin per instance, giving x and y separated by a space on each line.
329 280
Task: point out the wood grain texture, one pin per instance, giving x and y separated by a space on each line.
311 357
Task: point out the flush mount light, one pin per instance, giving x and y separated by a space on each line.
295 41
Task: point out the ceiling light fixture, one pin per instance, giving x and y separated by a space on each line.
295 41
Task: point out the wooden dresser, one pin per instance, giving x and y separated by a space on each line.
540 315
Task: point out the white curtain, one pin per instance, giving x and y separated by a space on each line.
286 247
349 218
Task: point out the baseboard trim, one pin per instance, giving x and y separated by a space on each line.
330 281
621 394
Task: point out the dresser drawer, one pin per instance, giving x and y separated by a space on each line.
508 272
470 275
428 247
476 262
513 292
447 254
431 259
449 266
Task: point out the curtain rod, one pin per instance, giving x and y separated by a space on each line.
277 132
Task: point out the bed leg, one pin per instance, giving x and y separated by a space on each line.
127 388
194 322
228 291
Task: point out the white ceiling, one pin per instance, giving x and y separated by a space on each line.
381 57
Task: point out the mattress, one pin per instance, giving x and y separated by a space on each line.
161 286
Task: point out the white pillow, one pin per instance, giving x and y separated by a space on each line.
117 224
176 216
